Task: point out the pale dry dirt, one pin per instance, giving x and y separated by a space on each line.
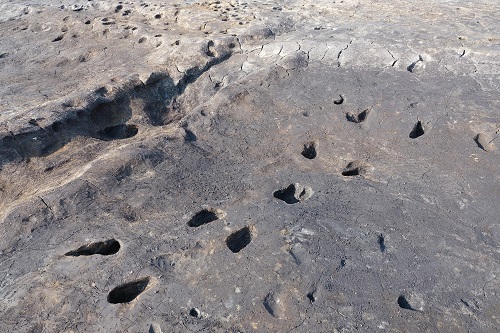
231 166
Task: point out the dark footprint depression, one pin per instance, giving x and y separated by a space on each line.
417 131
238 240
128 292
309 150
293 194
106 248
205 216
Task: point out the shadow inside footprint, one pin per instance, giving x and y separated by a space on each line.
309 150
403 303
358 118
294 193
418 130
106 248
483 143
381 242
339 101
357 168
122 131
238 240
350 172
205 216
128 292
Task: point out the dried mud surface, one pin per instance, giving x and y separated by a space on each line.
231 166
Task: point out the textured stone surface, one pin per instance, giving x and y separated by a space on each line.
289 166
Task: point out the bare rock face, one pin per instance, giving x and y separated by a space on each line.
234 166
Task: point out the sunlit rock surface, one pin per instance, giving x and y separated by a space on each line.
231 166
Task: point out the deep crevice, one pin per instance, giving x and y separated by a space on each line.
106 248
238 240
128 292
193 74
